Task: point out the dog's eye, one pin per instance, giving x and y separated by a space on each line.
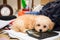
44 26
38 24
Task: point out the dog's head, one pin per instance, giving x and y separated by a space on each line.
43 23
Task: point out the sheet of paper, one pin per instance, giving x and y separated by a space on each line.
4 23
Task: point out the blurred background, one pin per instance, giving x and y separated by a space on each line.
17 4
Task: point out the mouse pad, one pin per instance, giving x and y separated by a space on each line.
41 35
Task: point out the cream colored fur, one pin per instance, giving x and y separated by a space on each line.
27 22
23 23
42 21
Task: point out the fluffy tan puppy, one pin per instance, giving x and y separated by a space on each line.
27 22
23 23
43 23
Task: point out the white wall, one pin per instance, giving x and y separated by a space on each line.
36 2
13 4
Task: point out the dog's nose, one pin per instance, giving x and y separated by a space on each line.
40 30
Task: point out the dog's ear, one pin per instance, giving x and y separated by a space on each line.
51 25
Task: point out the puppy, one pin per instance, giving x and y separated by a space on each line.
23 23
27 22
43 23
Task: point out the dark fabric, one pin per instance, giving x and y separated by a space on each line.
52 10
